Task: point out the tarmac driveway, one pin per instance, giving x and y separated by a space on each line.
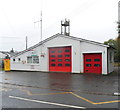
82 86
93 83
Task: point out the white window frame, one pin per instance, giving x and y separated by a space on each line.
33 60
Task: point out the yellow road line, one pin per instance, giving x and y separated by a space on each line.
108 102
53 93
94 102
82 98
30 93
27 91
5 89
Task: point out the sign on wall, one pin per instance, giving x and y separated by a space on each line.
32 53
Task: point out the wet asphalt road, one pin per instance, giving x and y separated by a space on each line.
52 89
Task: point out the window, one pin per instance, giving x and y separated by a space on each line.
67 50
59 60
59 51
29 59
52 64
96 59
67 55
53 60
52 55
19 59
33 59
14 59
88 60
96 65
67 64
59 64
67 60
52 51
59 55
88 65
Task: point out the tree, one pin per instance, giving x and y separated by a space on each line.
118 49
111 42
115 43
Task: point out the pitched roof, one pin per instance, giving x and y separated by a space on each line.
85 40
56 35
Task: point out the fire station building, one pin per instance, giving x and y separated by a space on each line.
65 53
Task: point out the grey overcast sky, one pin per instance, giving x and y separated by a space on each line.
89 19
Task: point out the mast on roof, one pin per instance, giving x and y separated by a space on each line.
65 27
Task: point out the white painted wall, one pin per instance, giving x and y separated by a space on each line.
78 48
22 65
93 48
44 61
60 42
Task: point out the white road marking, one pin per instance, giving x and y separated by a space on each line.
116 93
52 103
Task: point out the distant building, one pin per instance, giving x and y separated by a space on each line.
6 55
2 56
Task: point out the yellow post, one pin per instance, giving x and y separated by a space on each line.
7 64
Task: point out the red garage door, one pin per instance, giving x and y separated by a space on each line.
93 63
60 59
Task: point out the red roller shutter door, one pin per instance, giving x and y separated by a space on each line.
60 59
93 63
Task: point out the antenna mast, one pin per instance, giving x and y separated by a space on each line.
65 27
40 21
41 25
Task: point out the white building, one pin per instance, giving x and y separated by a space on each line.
64 53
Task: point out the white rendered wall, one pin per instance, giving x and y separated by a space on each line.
23 65
61 42
93 48
44 61
78 48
